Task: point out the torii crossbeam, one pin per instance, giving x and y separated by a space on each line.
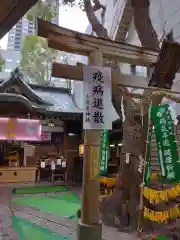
74 42
79 43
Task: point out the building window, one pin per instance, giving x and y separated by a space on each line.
8 70
138 71
133 70
18 28
8 60
17 46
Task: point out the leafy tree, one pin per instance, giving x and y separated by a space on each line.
45 9
65 60
37 59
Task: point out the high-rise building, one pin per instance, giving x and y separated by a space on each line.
19 32
24 28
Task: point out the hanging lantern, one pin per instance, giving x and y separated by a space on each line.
81 149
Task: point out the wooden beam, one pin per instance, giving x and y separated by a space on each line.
78 43
11 12
67 71
76 73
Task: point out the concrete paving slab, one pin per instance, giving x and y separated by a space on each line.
66 227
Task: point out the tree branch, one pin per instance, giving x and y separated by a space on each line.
97 27
98 5
145 30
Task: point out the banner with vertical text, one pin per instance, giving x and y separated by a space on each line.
166 143
97 98
104 147
147 174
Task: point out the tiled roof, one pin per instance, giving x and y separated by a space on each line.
60 101
43 98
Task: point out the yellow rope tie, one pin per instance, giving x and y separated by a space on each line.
152 195
155 93
162 217
157 196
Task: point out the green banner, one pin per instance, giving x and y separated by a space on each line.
166 143
148 150
104 152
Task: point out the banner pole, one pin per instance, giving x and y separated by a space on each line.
141 202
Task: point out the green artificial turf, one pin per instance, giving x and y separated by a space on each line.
60 208
159 238
27 231
69 197
39 189
162 238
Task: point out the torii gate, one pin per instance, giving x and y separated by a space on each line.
96 48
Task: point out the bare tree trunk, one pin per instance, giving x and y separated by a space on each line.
124 202
97 27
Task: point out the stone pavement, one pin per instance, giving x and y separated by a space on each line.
55 224
6 230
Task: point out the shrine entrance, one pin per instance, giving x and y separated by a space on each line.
101 53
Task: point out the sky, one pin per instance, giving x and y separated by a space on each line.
72 18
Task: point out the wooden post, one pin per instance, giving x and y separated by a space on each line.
91 187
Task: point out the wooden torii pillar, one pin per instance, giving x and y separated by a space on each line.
96 49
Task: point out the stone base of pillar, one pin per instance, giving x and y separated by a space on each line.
89 232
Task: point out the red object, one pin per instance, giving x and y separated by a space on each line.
46 136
